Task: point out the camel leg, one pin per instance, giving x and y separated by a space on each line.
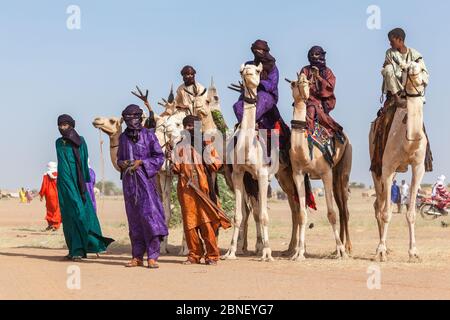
295 209
259 238
242 244
341 177
263 183
238 182
286 181
377 204
386 211
166 184
327 179
418 172
302 219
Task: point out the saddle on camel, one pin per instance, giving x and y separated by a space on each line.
323 130
395 74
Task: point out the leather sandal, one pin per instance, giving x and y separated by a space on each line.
152 264
135 262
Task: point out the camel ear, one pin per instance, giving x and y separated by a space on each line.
260 67
242 68
121 121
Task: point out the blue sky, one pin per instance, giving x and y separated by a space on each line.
46 69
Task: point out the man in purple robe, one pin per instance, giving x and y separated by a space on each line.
91 185
267 114
140 157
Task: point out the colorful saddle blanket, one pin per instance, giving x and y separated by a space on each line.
320 139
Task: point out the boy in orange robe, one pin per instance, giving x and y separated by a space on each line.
50 192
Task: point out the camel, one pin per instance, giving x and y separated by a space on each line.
335 179
406 145
249 157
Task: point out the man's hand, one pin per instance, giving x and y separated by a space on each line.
315 72
124 164
136 165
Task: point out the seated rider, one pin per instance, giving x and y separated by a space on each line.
267 114
322 99
441 195
397 61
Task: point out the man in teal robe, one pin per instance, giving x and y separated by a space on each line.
81 227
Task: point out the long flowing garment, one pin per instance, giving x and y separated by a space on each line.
90 188
267 114
143 205
321 101
50 192
199 218
81 227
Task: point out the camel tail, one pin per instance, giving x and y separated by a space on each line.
341 177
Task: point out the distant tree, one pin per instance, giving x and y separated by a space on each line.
357 185
109 188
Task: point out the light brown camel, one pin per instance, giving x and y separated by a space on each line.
335 179
406 145
249 157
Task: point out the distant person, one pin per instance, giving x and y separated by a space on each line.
49 191
22 195
441 195
404 193
81 227
29 196
395 195
91 185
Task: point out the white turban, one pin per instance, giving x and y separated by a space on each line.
52 167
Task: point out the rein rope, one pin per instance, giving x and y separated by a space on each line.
102 171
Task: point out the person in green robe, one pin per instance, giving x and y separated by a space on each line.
81 227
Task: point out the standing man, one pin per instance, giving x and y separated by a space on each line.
404 192
395 196
81 227
140 157
49 191
321 99
200 207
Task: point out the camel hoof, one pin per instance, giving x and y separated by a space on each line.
298 257
229 256
414 259
267 255
267 259
381 256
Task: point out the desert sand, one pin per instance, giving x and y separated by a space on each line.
31 265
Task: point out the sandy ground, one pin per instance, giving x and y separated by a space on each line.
31 265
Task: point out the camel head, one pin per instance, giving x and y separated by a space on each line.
414 82
168 129
251 76
300 88
110 126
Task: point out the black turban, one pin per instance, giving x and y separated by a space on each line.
66 119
